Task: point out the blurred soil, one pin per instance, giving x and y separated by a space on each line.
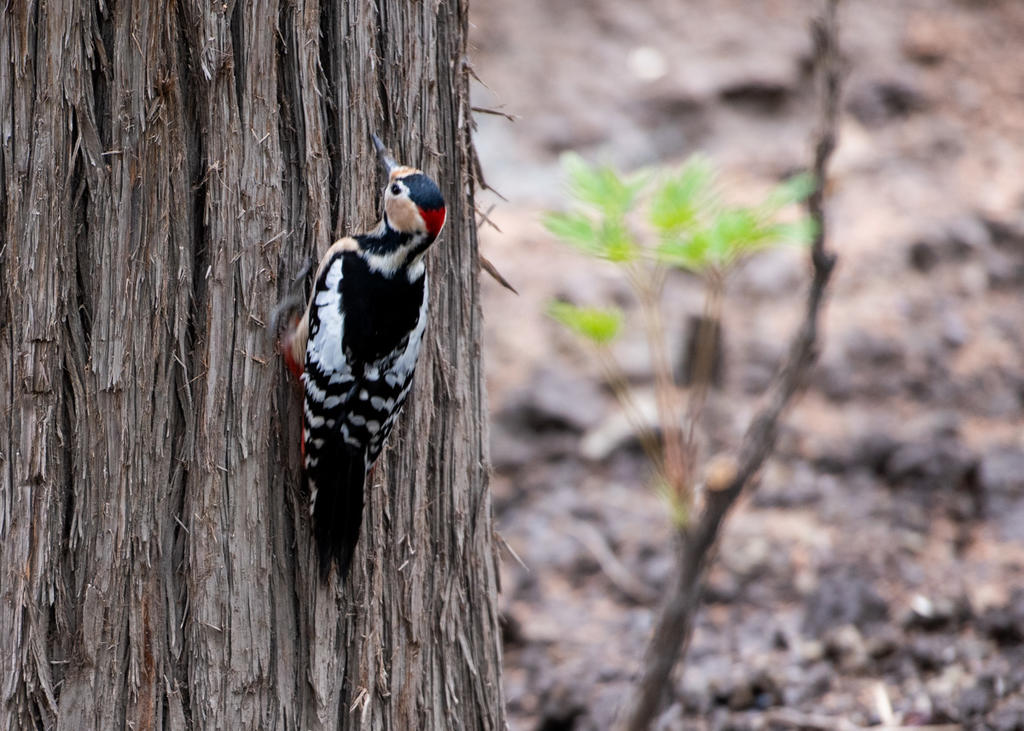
877 573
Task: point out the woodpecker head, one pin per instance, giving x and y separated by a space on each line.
413 204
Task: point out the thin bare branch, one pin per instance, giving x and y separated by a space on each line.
488 267
616 572
672 632
495 112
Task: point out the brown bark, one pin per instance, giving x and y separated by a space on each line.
166 168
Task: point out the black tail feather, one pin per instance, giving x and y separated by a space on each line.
338 510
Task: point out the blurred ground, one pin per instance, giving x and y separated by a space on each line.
880 563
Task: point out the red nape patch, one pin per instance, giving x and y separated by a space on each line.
434 218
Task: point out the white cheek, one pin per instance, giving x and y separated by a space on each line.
404 215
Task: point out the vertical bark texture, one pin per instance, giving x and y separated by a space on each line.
166 167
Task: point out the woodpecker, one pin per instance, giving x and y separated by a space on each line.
354 350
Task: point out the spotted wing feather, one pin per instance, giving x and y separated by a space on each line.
353 392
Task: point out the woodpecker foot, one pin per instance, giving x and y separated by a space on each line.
293 300
282 317
286 323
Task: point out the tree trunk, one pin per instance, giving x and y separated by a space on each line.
166 168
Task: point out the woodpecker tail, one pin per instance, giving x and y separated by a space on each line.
337 495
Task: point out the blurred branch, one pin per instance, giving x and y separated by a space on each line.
674 627
788 718
616 571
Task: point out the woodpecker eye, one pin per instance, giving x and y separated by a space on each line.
395 190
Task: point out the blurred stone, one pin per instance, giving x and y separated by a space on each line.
741 697
647 63
509 450
693 692
772 273
721 587
931 653
835 378
925 40
954 329
752 687
759 365
995 392
668 102
942 464
923 256
876 102
967 235
1006 234
751 78
844 645
953 240
932 615
798 487
658 568
975 702
760 95
874 349
873 451
936 425
511 630
1004 262
912 461
561 705
1004 269
779 640
634 358
884 644
554 400
867 364
746 558
557 133
1008 718
1005 625
1002 470
812 650
842 598
671 718
973 279
618 431
813 685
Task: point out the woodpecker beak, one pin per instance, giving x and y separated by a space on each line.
382 154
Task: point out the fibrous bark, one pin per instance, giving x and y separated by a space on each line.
166 168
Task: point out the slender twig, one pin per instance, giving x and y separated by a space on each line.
488 267
634 415
664 389
496 112
672 631
616 571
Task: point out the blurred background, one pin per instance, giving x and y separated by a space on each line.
877 573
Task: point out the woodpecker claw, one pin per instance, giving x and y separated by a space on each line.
279 315
292 301
304 270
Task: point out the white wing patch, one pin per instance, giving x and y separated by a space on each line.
324 346
406 362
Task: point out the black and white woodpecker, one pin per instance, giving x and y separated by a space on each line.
355 349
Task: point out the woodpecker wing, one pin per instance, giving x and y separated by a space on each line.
365 331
